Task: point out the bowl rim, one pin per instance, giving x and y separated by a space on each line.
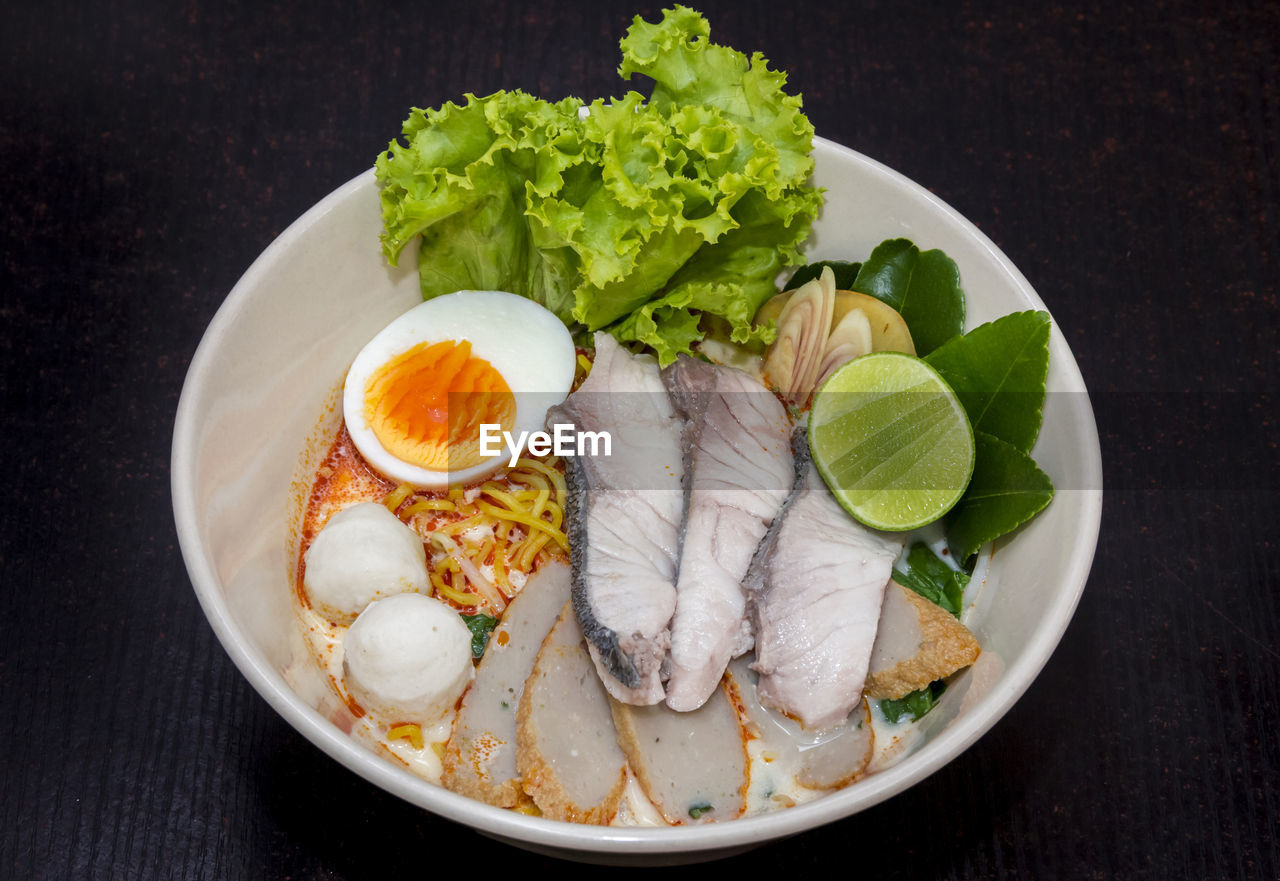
538 831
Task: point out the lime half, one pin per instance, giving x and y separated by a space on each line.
891 440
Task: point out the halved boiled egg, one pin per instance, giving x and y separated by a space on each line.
417 395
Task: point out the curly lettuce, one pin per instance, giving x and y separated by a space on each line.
638 215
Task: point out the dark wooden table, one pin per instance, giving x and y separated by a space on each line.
1126 156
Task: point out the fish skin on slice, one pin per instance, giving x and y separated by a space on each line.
815 587
738 472
623 518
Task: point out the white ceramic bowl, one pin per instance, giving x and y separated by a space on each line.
259 406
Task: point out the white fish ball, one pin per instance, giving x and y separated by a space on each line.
408 659
362 554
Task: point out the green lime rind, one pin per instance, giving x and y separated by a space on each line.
892 441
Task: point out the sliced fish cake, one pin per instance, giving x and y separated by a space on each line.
916 643
692 766
480 759
568 757
738 472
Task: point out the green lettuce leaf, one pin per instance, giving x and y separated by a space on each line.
640 217
924 286
1007 490
998 370
730 279
688 69
460 184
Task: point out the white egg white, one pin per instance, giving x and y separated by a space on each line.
524 342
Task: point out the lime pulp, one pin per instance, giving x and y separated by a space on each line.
891 440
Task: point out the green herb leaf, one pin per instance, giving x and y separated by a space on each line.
998 370
933 579
914 705
844 271
924 286
1007 490
481 626
699 809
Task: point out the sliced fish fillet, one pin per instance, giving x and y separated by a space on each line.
738 472
816 586
624 515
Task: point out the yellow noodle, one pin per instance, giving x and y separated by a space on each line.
462 525
427 505
396 497
511 501
495 492
557 514
556 478
449 592
530 478
524 514
409 731
534 522
516 550
530 550
500 568
540 502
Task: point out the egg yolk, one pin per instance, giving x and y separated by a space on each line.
426 405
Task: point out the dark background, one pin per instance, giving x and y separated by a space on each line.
1124 156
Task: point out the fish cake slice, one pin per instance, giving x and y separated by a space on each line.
480 759
567 750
